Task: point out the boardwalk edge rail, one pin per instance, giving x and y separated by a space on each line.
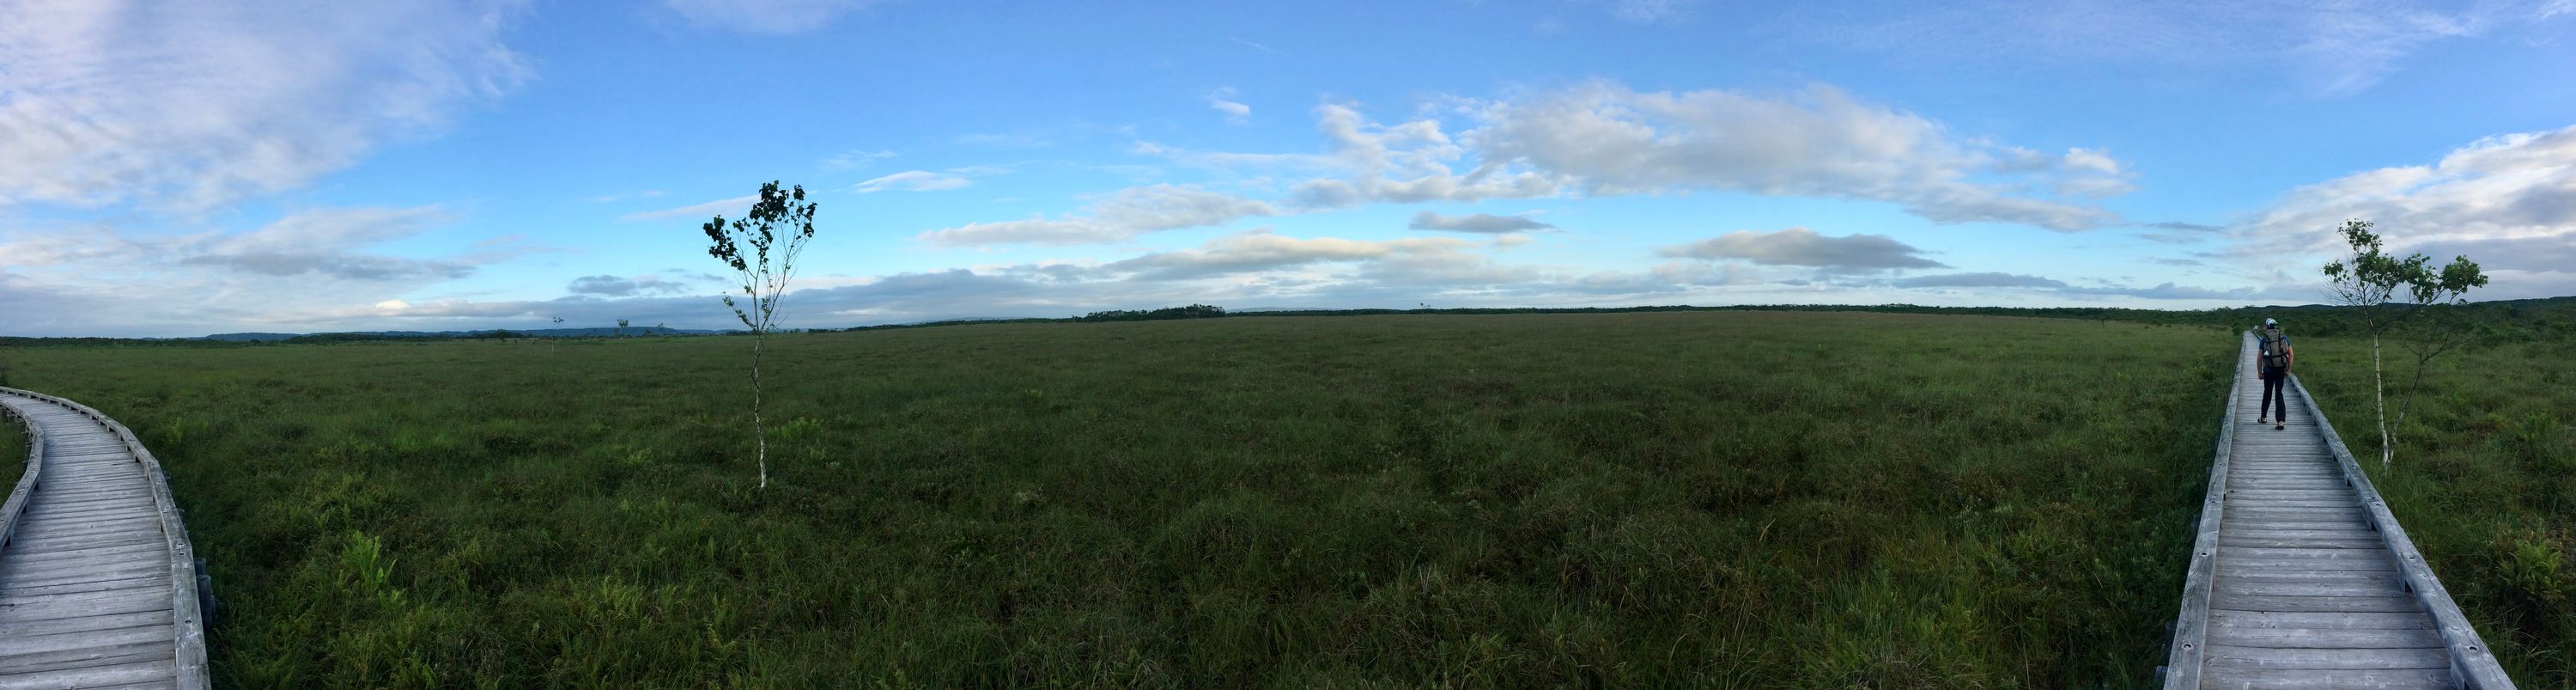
186 614
2471 663
27 478
2191 630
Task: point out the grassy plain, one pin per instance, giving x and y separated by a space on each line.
2485 483
1620 500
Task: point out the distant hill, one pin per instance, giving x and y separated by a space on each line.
529 333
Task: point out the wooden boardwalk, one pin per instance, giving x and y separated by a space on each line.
98 586
2301 578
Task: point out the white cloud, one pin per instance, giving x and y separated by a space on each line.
766 16
1804 247
1817 142
1235 112
1122 215
2508 202
913 181
306 267
195 105
854 159
1476 222
1603 139
624 286
729 207
1261 250
2504 187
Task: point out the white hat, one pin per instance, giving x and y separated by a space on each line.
2267 323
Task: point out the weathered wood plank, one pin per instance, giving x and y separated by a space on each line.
2337 659
2324 638
2318 621
91 677
14 646
97 604
2276 679
90 585
94 657
2385 588
2392 604
106 621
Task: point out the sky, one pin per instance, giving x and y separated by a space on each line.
185 168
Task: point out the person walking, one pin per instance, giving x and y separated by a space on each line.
2276 358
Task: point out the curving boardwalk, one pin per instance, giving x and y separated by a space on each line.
2301 578
98 586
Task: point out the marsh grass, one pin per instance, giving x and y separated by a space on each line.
2484 481
1623 500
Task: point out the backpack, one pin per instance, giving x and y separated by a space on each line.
2276 350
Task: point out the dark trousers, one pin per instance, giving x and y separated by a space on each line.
2273 396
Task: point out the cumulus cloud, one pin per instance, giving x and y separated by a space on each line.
1604 139
1804 247
2517 185
913 181
1122 215
1817 142
1476 222
765 16
195 105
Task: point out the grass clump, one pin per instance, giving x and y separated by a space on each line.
1620 500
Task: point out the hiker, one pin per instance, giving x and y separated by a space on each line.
2276 359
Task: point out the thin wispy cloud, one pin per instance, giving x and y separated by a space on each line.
728 207
199 105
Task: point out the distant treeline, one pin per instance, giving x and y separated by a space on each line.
2503 320
1195 311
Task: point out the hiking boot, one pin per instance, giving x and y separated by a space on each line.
2278 427
2262 420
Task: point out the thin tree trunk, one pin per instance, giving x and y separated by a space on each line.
2379 395
760 433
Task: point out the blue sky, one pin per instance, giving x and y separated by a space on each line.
187 168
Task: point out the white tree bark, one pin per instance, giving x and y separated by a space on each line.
760 432
2379 396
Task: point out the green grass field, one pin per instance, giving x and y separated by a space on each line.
1621 500
2485 484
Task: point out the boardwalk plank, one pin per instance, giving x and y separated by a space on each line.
2337 659
2281 679
92 677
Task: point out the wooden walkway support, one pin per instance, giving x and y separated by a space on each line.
2301 578
98 586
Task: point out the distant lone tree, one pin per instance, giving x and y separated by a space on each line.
2430 318
761 247
621 328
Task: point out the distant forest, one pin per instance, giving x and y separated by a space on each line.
2503 320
